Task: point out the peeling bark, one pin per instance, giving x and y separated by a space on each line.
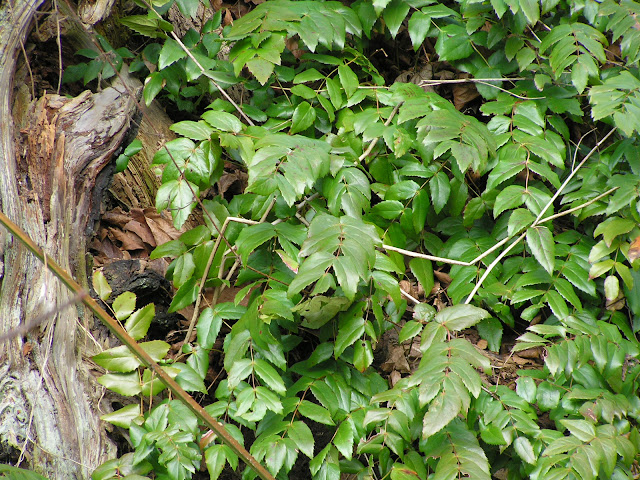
54 162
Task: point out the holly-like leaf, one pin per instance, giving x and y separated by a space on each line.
541 244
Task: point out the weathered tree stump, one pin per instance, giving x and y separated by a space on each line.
55 162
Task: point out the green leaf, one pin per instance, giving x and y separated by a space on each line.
261 69
138 324
349 81
189 379
453 43
127 384
152 86
185 295
440 189
100 285
510 197
519 220
124 416
315 412
492 435
173 248
223 121
301 435
303 117
444 408
524 449
252 237
423 271
171 52
193 130
461 316
215 458
269 376
541 244
419 24
344 439
124 305
394 15
350 328
188 7
117 359
409 330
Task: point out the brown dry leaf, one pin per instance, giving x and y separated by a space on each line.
396 360
518 360
143 231
160 225
231 179
116 217
228 19
464 93
616 304
443 277
634 249
534 353
394 377
129 241
482 344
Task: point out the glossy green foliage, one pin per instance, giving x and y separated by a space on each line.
524 212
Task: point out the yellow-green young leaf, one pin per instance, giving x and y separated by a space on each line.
542 246
261 69
156 349
611 287
301 435
599 268
613 227
138 324
349 81
151 383
124 305
624 273
117 359
127 384
124 416
100 285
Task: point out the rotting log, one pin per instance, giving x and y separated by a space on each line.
55 162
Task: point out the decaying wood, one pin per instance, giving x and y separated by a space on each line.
54 164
